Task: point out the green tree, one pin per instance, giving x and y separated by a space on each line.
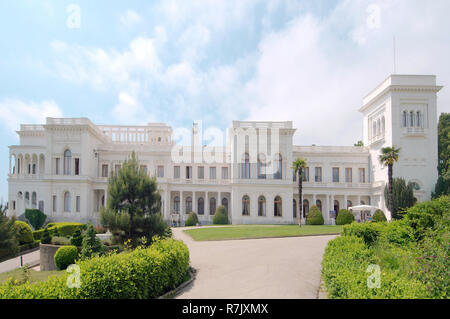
35 217
443 183
389 155
299 167
134 204
402 195
359 143
91 245
3 208
9 246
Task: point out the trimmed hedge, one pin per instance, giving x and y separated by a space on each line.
24 232
221 216
379 216
65 256
63 229
314 216
192 219
344 217
35 217
140 274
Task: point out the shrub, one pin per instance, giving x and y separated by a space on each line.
8 241
192 219
369 232
77 239
344 217
64 229
221 216
65 256
140 274
59 240
35 217
46 237
91 244
379 216
24 232
314 216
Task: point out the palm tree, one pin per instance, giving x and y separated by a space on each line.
298 166
389 155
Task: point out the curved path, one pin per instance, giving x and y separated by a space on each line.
281 268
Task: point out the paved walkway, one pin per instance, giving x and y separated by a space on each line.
11 264
281 268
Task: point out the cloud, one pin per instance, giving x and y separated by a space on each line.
129 19
128 110
15 112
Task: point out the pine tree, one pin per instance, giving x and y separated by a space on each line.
402 195
91 245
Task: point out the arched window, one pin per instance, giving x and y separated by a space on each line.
188 204
405 119
67 162
261 206
349 204
176 204
67 202
245 171
294 208
245 205
33 200
201 206
212 206
278 167
225 203
305 207
277 207
319 204
261 166
411 119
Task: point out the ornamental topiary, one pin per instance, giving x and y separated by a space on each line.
65 256
76 239
24 232
221 216
35 217
314 216
344 217
379 216
192 219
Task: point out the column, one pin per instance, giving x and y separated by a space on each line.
207 205
345 201
182 206
332 208
314 200
166 205
359 200
194 202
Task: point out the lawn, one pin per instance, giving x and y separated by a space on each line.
259 231
17 274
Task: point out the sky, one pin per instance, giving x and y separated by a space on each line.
134 62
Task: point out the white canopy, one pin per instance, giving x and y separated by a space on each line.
363 212
361 208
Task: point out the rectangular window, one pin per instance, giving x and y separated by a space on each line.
77 205
77 166
105 170
188 172
54 203
362 175
212 173
335 174
306 174
34 169
176 172
200 172
160 171
318 174
348 175
224 172
57 160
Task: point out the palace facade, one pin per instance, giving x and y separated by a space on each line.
62 167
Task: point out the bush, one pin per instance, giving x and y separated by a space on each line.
344 217
24 232
192 219
140 274
77 239
314 216
35 217
8 241
369 232
379 216
221 216
46 237
63 229
91 244
59 240
65 256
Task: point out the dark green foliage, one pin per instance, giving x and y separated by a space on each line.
443 183
134 204
8 234
46 237
65 256
220 216
314 216
379 216
35 217
91 244
192 219
77 239
344 217
63 229
403 196
139 274
3 208
24 232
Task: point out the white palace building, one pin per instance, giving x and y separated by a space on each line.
62 166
